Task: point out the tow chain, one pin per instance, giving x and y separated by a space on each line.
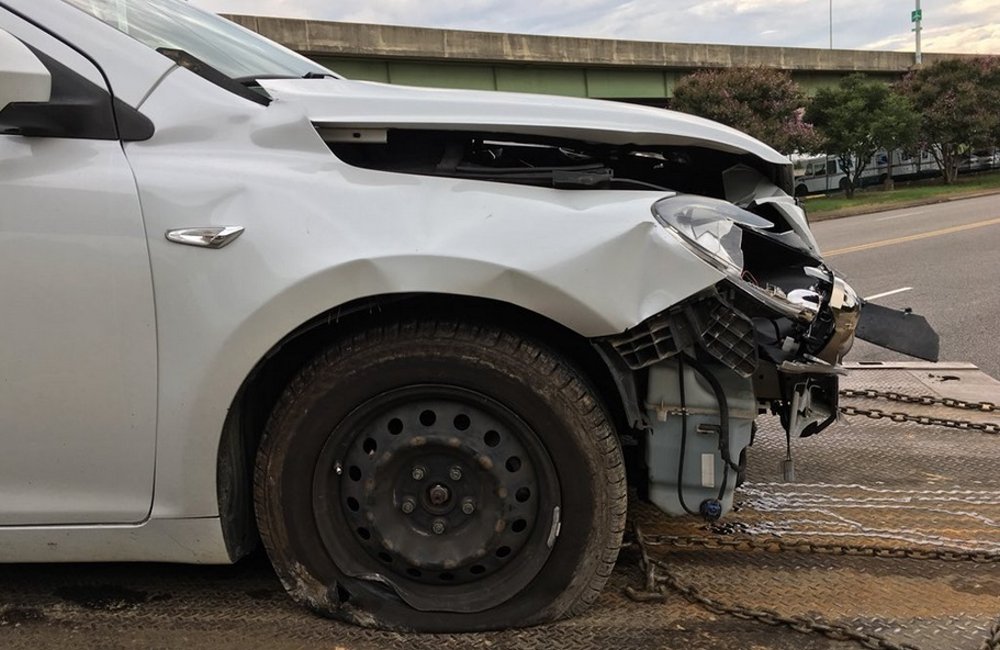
993 642
660 578
813 548
923 400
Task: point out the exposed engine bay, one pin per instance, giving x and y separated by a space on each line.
542 161
768 338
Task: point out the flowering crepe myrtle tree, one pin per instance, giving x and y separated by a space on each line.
765 103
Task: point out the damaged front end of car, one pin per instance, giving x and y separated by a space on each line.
761 327
768 338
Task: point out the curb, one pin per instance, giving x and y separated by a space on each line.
886 207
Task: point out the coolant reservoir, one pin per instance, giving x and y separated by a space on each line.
701 469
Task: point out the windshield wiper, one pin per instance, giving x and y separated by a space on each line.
320 75
213 75
252 81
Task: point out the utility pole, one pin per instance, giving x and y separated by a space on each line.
917 18
831 22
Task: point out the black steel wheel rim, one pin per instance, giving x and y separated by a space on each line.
440 492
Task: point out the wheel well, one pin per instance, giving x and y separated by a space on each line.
260 391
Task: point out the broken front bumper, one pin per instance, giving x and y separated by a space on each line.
769 337
708 366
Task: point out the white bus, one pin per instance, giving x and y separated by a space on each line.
824 174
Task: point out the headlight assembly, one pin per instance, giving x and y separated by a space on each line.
708 227
711 229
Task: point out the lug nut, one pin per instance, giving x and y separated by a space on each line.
439 495
438 526
455 473
409 505
468 506
418 473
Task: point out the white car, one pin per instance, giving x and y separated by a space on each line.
402 336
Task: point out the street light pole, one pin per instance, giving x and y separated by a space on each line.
831 22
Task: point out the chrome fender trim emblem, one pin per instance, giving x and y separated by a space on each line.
210 237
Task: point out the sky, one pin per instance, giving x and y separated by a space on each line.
949 25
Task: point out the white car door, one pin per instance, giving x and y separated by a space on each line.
77 328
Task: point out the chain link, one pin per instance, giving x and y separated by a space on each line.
773 545
659 578
993 642
926 420
923 400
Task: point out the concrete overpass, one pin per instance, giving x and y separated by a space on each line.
639 71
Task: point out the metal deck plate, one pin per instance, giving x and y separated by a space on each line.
862 482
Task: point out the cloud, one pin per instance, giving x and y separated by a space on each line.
970 39
714 8
970 26
950 25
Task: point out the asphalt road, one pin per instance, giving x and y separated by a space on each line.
946 254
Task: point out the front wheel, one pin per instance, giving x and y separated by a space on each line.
441 477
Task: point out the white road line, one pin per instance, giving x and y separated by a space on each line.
909 213
908 238
889 293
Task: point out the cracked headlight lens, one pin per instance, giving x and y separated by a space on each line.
709 228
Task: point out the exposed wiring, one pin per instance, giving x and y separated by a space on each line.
684 434
720 396
638 183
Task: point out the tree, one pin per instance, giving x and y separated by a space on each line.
957 100
897 127
763 102
859 117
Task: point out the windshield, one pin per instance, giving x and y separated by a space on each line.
234 51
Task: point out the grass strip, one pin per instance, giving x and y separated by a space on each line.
903 195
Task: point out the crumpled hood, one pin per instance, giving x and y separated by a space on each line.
361 104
